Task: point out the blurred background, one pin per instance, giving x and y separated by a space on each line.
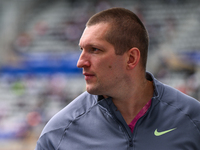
39 49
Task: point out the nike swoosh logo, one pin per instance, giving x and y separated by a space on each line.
156 133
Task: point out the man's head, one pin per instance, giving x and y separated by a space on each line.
112 45
126 31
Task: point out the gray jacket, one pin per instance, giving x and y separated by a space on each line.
93 123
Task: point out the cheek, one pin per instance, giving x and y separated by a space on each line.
117 70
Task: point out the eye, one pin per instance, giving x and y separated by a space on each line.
95 50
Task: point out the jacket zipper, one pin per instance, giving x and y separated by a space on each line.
117 115
128 133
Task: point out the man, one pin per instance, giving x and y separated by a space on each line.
125 107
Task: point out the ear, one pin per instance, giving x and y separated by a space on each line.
133 58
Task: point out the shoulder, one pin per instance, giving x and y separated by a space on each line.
77 107
179 99
174 98
55 128
184 104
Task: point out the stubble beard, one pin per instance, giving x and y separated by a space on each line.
96 88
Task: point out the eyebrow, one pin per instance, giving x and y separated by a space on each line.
91 45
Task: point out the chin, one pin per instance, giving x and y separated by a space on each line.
94 91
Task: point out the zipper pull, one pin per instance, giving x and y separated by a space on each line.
130 142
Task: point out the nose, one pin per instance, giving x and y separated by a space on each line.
83 60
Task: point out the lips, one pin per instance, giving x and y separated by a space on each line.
88 76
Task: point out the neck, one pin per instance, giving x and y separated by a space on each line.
134 99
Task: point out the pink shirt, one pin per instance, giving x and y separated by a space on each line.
139 115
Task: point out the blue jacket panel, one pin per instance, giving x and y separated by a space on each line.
88 123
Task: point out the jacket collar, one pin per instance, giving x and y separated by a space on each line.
158 86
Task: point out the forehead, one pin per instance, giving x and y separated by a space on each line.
94 33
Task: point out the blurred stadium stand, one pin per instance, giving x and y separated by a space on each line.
39 50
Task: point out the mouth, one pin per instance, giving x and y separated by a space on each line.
88 76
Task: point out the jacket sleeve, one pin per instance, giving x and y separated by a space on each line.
39 147
50 140
55 129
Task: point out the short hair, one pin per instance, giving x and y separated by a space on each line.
126 31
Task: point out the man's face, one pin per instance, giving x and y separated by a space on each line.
104 71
